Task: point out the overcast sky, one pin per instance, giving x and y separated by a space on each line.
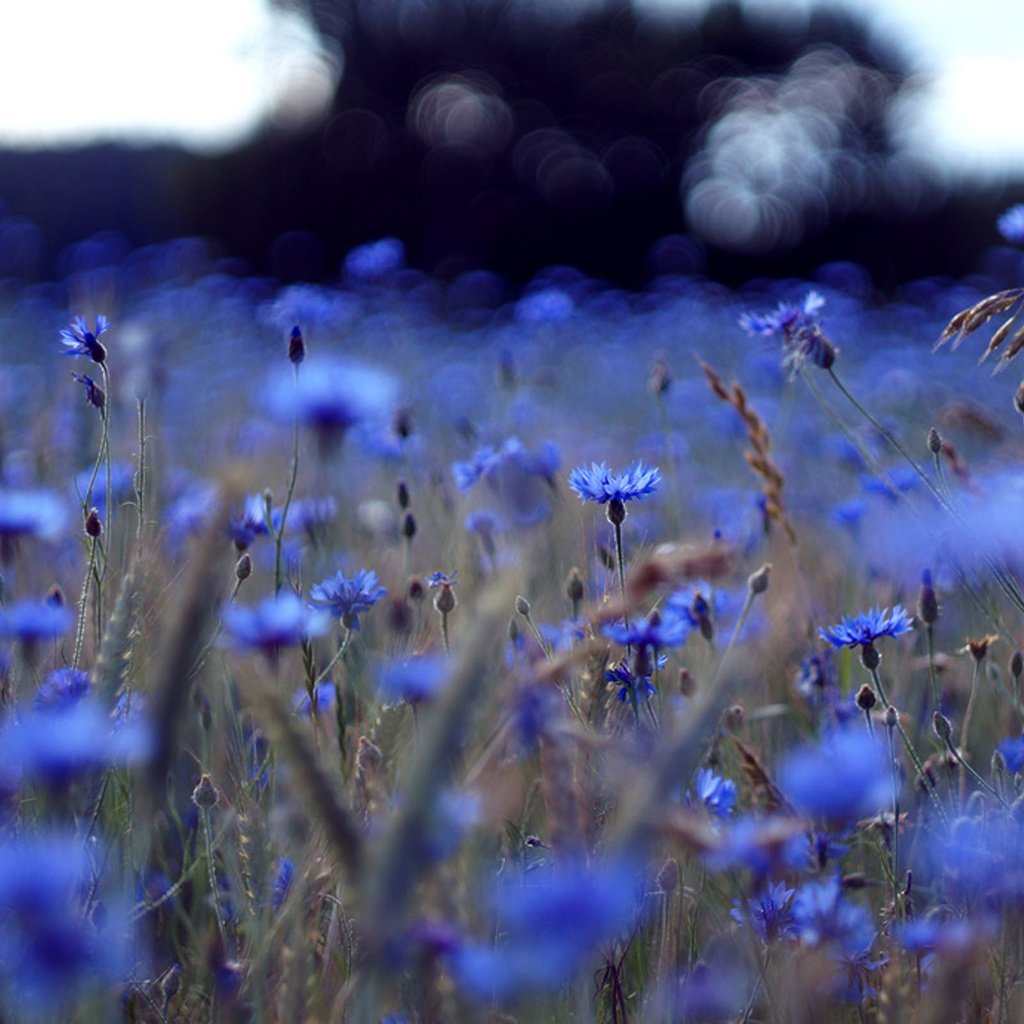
139 71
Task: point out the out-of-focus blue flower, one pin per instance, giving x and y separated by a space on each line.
770 913
282 620
1012 750
30 514
308 514
51 950
846 776
61 688
521 480
628 684
597 482
761 845
325 695
1010 224
655 631
282 882
56 745
245 526
545 306
331 397
800 330
716 794
864 629
709 993
345 598
443 579
94 394
374 262
35 621
926 934
121 482
551 922
78 340
822 914
414 681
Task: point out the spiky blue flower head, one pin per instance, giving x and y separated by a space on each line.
61 689
30 514
770 913
1011 224
282 620
654 631
413 681
345 598
629 686
716 794
864 629
799 327
78 340
245 526
35 621
846 776
822 914
597 482
443 579
94 394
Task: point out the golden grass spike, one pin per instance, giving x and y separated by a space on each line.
999 337
967 321
111 668
1016 344
759 778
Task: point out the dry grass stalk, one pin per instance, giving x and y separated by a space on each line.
969 320
759 779
759 457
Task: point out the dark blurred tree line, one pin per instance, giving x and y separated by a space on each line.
512 135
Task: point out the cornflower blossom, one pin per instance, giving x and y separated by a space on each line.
244 527
443 579
1010 224
78 340
53 950
1012 750
715 794
94 394
282 620
521 480
597 482
35 621
800 329
822 914
847 776
413 681
770 913
345 598
654 632
30 514
628 684
552 922
863 630
61 689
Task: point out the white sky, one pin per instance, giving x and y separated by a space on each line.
207 73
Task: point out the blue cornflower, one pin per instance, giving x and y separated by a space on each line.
54 949
522 480
56 745
94 394
770 913
1011 224
61 689
443 579
597 482
718 795
551 922
282 620
1012 750
847 776
282 882
245 526
374 262
331 397
628 684
655 631
345 598
415 680
30 514
864 629
800 329
821 913
762 845
35 621
78 340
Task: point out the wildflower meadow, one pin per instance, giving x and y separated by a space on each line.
404 651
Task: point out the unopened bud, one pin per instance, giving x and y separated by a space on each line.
296 346
522 606
734 718
205 794
408 525
403 494
934 441
1016 665
927 602
866 698
942 726
243 567
869 657
574 586
445 600
415 589
891 717
757 583
93 524
513 631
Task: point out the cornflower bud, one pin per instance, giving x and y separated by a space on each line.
866 698
934 441
205 795
243 567
927 602
93 524
296 346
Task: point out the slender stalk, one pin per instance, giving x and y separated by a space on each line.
292 476
211 873
140 474
969 713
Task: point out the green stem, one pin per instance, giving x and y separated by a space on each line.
140 474
969 713
211 874
292 476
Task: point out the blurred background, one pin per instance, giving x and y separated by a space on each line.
627 139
